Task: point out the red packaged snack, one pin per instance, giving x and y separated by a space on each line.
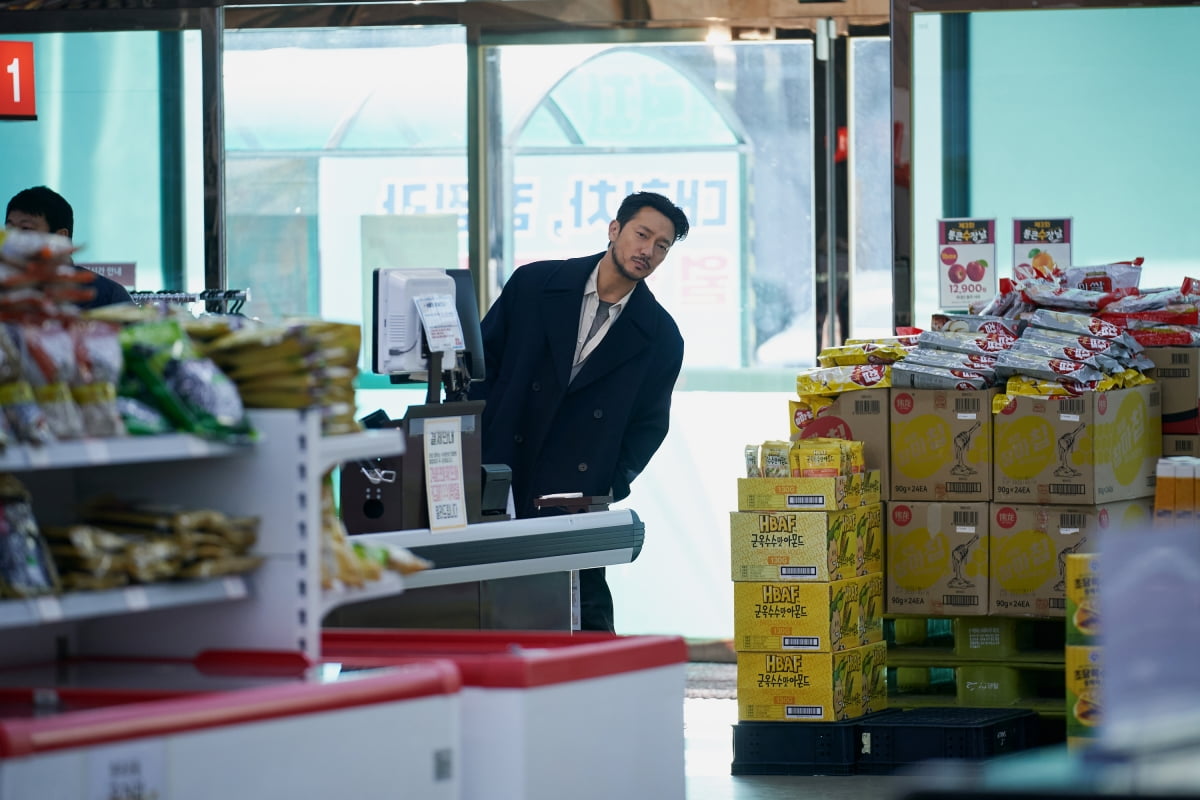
1080 299
1105 277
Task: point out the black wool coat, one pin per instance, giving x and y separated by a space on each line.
591 435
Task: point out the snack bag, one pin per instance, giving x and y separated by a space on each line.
774 459
1120 275
190 390
920 376
26 567
835 380
819 458
865 353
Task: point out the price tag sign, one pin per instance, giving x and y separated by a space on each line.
1041 248
18 100
442 326
966 262
133 770
444 474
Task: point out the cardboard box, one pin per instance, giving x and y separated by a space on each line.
781 617
1174 444
794 545
937 558
799 687
1097 448
1029 545
874 680
860 416
1083 598
808 494
870 608
941 443
1177 372
869 539
1085 675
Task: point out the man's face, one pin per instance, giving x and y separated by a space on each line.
27 222
640 246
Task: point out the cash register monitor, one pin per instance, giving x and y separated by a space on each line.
397 344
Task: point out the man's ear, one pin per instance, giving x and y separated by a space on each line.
63 232
614 228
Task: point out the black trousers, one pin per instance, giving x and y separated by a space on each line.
595 601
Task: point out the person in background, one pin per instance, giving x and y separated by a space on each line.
46 211
581 362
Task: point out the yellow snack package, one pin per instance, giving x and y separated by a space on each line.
805 410
773 459
835 380
849 355
819 458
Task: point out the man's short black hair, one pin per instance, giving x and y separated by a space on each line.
639 200
42 201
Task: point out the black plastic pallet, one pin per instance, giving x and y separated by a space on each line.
798 748
910 736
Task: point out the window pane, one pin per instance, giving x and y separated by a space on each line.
1096 128
724 130
338 162
99 140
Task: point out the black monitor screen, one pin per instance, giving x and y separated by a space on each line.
468 315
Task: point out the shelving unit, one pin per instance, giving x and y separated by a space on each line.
181 720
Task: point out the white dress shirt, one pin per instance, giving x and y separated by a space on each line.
587 314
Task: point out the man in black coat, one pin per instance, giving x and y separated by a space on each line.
581 362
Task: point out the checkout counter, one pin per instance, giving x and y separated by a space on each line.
494 573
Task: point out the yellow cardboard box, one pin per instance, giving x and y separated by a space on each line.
808 494
1097 448
1030 544
817 617
793 545
870 608
868 536
857 416
1083 598
800 687
874 682
937 558
1085 674
941 443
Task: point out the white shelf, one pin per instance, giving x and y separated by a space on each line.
126 600
391 583
358 446
117 450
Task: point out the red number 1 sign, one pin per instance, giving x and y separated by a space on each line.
17 97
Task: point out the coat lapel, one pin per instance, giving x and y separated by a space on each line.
562 300
630 333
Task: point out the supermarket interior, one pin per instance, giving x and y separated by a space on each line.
326 432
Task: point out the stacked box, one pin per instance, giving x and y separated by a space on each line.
812 617
937 558
805 687
855 416
1030 546
1177 373
1096 448
1083 650
941 445
808 598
